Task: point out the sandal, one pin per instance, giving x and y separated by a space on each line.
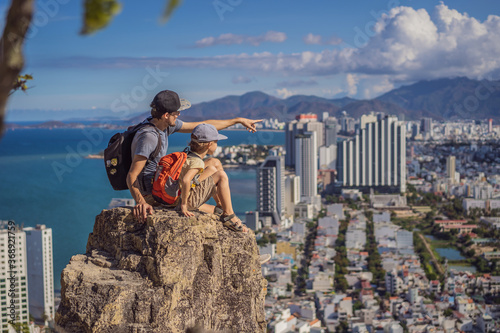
218 210
231 225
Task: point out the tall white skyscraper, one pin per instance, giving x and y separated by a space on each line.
376 157
14 304
327 157
451 167
303 123
306 163
271 187
292 196
40 271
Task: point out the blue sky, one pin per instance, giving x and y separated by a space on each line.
210 49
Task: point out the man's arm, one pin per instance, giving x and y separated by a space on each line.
141 208
188 127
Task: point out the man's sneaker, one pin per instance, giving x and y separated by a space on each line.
264 258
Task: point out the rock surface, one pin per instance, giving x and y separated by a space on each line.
172 274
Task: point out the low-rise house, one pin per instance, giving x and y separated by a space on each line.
465 325
461 229
464 305
435 286
485 323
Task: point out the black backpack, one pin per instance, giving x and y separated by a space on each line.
118 155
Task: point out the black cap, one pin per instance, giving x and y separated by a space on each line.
169 101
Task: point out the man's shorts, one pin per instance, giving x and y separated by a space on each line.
201 193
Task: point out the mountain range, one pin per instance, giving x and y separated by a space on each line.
442 99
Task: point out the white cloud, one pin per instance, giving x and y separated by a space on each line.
376 86
230 39
408 45
352 84
312 39
284 93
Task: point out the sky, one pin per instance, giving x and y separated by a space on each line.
211 49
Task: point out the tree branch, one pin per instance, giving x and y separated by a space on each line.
11 50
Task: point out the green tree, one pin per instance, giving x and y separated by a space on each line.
273 238
263 241
343 327
21 327
448 312
357 305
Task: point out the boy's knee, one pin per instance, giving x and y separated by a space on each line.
223 174
214 162
211 169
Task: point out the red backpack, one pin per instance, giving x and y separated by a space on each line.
166 187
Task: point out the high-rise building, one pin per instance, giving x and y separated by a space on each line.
331 130
306 163
328 157
368 118
426 127
376 157
324 116
302 123
451 167
271 187
347 123
490 125
14 305
415 130
40 272
252 220
292 193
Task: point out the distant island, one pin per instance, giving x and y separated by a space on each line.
60 124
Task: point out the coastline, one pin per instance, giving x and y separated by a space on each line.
226 166
258 130
61 125
239 166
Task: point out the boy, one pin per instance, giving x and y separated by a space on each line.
199 182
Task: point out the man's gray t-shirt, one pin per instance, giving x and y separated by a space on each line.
144 143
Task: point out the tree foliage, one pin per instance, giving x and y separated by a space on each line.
20 84
99 13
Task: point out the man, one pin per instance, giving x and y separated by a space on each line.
165 110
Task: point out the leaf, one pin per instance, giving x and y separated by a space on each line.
172 5
20 83
98 14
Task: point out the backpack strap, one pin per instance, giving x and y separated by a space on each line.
155 152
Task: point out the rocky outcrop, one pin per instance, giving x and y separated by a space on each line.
171 274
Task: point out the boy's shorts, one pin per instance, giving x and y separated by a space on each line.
201 193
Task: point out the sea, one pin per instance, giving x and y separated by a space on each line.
46 179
